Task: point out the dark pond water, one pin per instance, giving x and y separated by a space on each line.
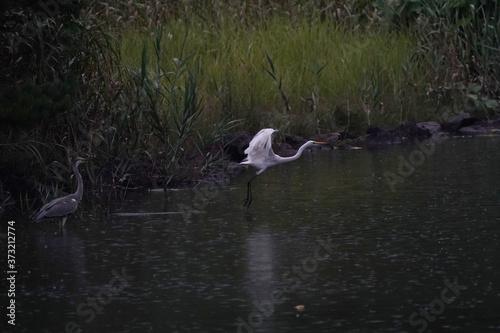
360 240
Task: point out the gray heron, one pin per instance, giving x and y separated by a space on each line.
64 206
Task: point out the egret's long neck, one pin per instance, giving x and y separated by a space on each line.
79 189
299 152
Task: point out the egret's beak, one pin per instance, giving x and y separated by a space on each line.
323 143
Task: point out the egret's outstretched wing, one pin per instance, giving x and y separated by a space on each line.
261 143
259 151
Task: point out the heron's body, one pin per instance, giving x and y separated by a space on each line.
260 155
64 206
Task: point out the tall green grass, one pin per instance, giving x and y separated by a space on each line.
362 73
386 62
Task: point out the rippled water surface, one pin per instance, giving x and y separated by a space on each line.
327 232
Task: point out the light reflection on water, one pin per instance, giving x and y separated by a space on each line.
221 267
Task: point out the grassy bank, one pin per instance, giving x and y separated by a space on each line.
153 83
321 67
302 79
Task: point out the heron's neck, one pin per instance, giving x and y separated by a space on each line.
79 189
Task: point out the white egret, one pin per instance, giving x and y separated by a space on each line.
260 155
64 206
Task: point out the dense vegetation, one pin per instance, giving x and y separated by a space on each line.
157 81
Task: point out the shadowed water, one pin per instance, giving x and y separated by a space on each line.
327 232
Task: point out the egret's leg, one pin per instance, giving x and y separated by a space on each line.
248 200
64 220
